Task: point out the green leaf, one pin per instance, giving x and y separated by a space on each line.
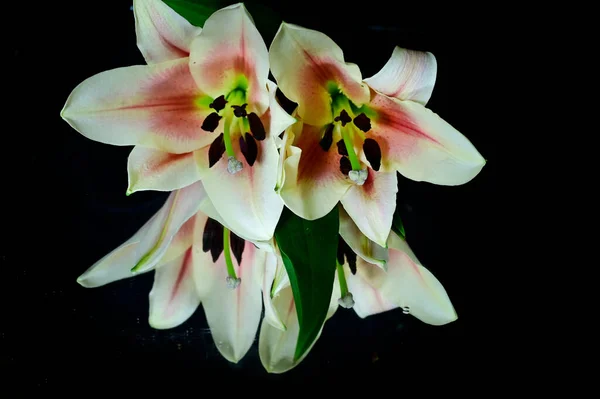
397 225
196 12
308 249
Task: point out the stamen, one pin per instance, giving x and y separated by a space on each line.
363 122
343 117
232 279
345 254
373 153
345 300
216 150
240 110
212 238
256 127
211 122
249 148
327 138
359 177
342 148
345 165
237 246
219 103
349 148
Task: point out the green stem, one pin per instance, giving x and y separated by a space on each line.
341 279
228 261
227 136
350 148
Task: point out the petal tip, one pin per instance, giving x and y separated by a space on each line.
82 281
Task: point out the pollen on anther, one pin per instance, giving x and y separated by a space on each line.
218 104
240 110
211 122
345 165
327 138
343 117
363 122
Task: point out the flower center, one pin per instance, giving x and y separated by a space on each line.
217 239
351 124
237 122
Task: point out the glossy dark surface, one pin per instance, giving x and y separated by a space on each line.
72 192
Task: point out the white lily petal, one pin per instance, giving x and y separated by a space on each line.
162 34
173 298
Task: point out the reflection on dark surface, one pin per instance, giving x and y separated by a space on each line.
80 213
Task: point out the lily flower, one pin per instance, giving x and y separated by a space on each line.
209 116
375 281
195 260
355 134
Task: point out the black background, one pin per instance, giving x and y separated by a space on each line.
67 208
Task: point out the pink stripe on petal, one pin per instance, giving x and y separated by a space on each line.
230 54
372 205
420 145
153 106
173 298
151 169
313 182
307 65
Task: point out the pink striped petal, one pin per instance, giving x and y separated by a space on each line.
246 201
173 298
180 243
365 287
313 182
372 205
420 145
407 284
408 75
230 54
277 347
148 245
308 66
162 34
233 315
360 244
157 106
150 169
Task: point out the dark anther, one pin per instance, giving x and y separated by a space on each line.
362 122
373 153
211 122
240 110
237 246
351 258
344 117
288 105
256 127
345 165
249 148
212 238
345 251
342 150
219 103
216 150
327 138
